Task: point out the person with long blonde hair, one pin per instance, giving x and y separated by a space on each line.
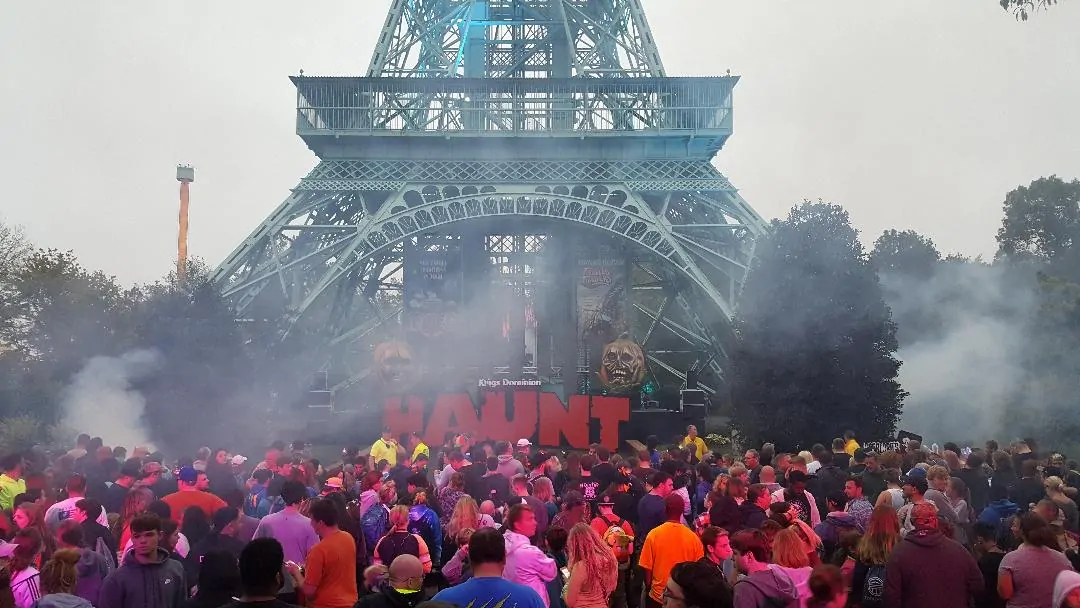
594 571
876 545
467 515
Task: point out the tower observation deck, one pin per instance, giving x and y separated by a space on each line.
537 154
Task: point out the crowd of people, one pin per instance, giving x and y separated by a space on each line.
507 525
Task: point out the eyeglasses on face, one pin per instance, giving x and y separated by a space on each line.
669 595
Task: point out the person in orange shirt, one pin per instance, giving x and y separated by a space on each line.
330 577
668 544
191 493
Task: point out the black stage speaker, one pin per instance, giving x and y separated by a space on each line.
691 379
319 395
692 397
694 413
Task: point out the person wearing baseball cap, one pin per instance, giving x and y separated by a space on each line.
188 494
524 446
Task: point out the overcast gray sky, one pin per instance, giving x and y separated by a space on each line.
916 114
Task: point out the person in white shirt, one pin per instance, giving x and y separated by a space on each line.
65 509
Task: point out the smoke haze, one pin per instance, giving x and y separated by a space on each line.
102 402
962 334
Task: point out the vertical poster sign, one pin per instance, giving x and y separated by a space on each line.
432 296
601 279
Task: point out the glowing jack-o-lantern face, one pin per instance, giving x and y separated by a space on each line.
394 365
623 365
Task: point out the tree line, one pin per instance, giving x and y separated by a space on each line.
822 320
56 316
823 324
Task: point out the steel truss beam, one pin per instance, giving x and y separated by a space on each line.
505 115
534 38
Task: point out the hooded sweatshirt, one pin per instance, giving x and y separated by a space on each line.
1067 580
159 583
927 570
835 524
527 565
62 600
800 577
92 567
755 590
750 515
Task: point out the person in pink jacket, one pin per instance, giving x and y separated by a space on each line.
526 564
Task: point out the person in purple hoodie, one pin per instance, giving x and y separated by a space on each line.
526 564
761 586
835 524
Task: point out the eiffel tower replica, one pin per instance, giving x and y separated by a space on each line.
521 128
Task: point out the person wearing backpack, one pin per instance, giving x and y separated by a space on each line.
95 535
399 541
375 522
618 534
92 567
871 556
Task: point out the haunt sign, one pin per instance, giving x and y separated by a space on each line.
504 415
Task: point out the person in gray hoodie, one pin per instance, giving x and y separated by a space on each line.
147 578
759 586
508 465
92 567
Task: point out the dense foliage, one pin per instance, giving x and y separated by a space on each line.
56 316
816 338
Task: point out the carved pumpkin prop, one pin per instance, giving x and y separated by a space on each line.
622 366
394 365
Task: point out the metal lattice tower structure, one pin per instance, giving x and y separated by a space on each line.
513 117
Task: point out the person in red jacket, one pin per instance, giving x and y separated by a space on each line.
928 570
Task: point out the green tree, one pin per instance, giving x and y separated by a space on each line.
1023 9
62 314
1045 404
1042 221
906 253
816 341
199 395
14 251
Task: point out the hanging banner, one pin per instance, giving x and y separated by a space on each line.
432 294
600 286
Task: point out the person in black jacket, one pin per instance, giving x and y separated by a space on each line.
219 581
221 538
406 578
94 532
725 510
752 512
